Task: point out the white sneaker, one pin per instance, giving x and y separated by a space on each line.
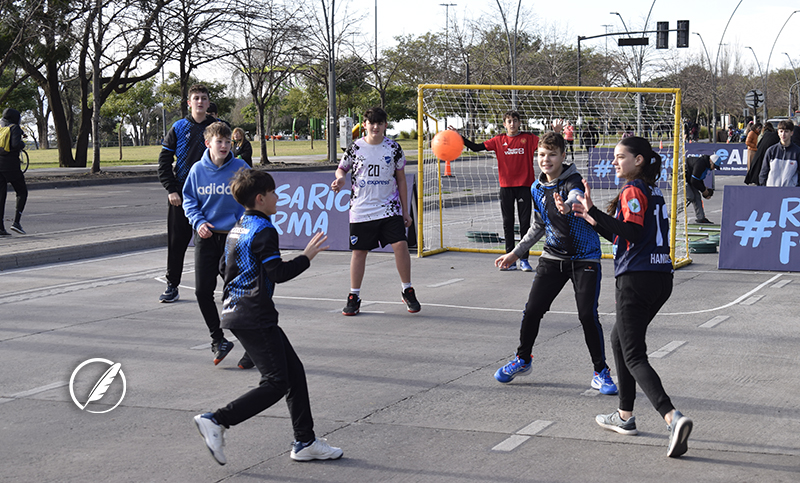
213 434
510 268
319 449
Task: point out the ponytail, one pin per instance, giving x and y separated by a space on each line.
649 171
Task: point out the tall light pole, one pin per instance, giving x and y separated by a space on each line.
713 89
766 69
795 83
763 83
446 37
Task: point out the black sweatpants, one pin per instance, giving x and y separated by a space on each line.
179 233
207 254
551 276
17 180
521 196
282 374
639 297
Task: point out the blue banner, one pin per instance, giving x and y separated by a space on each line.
733 156
762 235
602 174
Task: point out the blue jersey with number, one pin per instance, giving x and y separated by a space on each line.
645 206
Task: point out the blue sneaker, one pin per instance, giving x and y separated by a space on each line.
679 433
510 268
515 368
525 265
602 381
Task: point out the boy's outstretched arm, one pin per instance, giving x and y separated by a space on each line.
474 147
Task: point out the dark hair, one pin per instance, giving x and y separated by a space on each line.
551 140
786 125
649 171
218 129
212 107
202 89
511 114
376 115
248 183
769 127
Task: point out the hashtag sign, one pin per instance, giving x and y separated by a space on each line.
603 168
754 229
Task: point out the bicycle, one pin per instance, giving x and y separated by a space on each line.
24 160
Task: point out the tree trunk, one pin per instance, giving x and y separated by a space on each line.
263 141
63 135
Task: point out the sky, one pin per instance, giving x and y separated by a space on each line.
756 22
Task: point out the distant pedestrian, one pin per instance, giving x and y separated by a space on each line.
10 169
242 148
639 229
769 138
569 138
752 142
589 137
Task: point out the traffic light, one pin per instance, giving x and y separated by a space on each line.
662 35
683 33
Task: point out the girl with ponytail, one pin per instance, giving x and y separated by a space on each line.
638 226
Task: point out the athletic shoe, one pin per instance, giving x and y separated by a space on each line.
614 422
515 368
679 433
170 294
16 227
220 348
525 265
704 221
245 362
213 434
602 381
510 268
3 232
353 305
319 449
410 298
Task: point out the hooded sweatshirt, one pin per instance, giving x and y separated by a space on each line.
568 237
10 161
207 194
780 166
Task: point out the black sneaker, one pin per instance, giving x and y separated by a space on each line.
245 362
220 348
16 227
410 298
704 221
353 305
170 294
3 232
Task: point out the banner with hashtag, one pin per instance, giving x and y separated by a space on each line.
602 174
760 229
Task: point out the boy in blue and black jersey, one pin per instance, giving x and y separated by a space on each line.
184 145
251 267
571 252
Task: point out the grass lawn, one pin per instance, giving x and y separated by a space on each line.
134 155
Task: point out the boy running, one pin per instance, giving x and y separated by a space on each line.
251 267
378 206
571 252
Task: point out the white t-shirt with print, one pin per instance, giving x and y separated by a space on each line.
372 175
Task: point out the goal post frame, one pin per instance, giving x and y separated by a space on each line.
422 115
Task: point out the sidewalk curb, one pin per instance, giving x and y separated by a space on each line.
89 250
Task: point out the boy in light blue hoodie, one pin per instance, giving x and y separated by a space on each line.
212 212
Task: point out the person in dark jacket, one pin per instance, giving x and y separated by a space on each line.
242 148
769 139
11 172
696 170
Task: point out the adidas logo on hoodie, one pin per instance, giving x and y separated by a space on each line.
214 189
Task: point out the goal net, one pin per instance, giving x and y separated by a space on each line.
458 202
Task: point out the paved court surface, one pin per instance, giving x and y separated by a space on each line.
409 398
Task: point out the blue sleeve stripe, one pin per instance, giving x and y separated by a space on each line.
167 149
271 258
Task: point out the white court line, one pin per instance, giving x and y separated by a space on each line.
782 283
665 351
752 300
715 321
37 390
534 428
448 282
738 300
511 443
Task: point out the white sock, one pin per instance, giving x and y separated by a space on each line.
405 285
356 291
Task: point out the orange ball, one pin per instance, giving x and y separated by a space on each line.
447 145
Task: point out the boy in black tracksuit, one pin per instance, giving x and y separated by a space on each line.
185 144
251 267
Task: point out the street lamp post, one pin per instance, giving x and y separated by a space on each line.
795 83
713 90
446 30
766 69
763 84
